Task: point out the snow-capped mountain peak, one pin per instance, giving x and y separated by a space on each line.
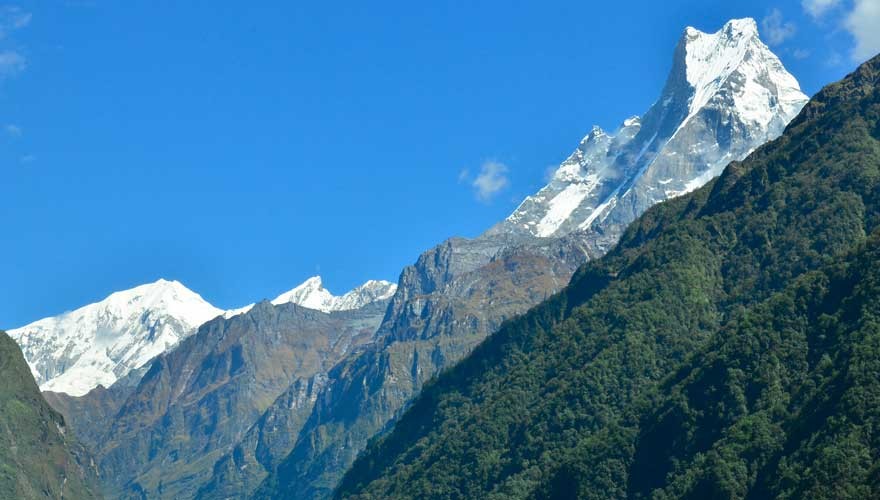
312 294
369 292
101 342
726 94
736 51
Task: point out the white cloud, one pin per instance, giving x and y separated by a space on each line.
464 175
775 28
864 25
491 180
801 53
834 59
11 19
12 130
11 63
818 8
27 159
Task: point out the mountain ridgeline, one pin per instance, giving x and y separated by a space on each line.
38 456
727 347
726 94
277 401
101 343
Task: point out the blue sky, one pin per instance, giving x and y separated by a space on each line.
241 149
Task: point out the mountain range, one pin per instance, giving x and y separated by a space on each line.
101 343
179 399
727 347
463 290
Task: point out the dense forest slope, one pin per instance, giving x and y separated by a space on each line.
728 347
38 457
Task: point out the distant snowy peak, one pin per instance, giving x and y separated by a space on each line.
369 292
312 294
736 61
726 94
101 342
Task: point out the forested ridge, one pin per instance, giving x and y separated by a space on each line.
728 347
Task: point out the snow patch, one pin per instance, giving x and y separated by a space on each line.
312 294
563 204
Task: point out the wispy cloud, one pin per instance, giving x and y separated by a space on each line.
11 63
834 59
864 25
818 8
12 130
776 29
27 159
13 18
800 53
491 180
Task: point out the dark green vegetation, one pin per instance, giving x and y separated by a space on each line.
728 347
38 457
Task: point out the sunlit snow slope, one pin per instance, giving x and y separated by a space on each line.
726 95
98 343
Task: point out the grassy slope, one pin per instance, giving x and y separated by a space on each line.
38 457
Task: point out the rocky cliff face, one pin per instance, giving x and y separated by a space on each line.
267 442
